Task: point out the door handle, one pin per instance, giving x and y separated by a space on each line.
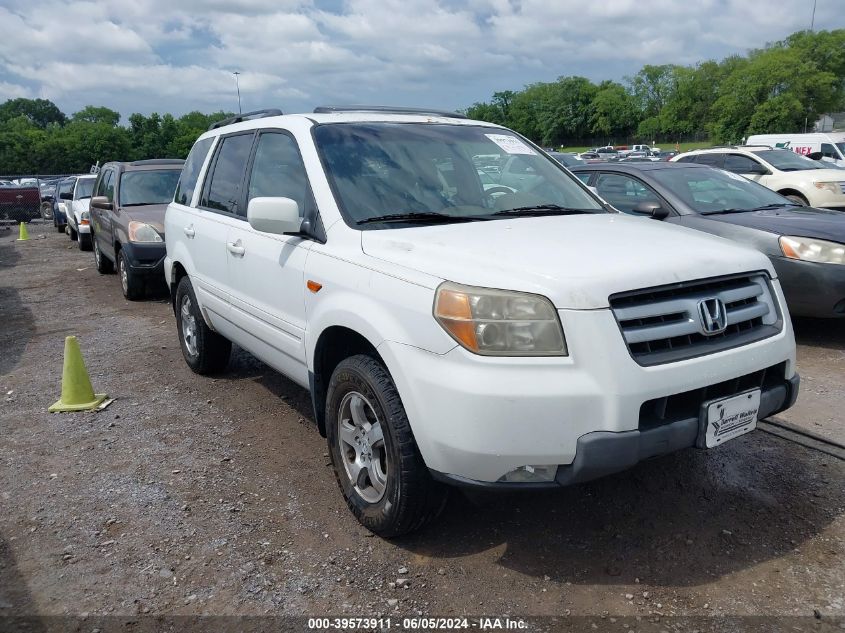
189 231
235 248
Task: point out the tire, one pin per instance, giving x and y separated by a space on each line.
103 263
84 241
73 234
396 495
61 228
132 284
794 197
209 353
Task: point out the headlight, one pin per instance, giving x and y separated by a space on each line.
832 187
812 250
499 322
85 218
140 232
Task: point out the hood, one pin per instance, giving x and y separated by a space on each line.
799 221
823 175
152 214
576 261
81 205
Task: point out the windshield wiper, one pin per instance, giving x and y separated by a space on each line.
542 209
142 204
761 208
418 216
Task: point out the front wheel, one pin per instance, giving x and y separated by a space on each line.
131 283
205 351
104 265
84 241
794 197
376 460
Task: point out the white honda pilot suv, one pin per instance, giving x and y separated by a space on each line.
517 337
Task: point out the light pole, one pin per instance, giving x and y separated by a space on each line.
813 19
238 87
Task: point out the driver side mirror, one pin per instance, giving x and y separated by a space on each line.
758 170
101 202
652 210
815 156
278 216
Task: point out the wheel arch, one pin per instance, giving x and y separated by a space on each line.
334 344
790 191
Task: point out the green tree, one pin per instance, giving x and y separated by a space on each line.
97 114
40 112
613 111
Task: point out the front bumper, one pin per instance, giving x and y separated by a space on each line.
477 418
811 289
603 453
146 258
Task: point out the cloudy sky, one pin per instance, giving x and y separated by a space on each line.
178 55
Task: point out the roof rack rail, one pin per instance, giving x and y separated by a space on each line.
157 161
389 110
255 114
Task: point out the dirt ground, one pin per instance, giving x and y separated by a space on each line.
197 496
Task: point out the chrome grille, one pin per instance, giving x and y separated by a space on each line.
842 186
664 324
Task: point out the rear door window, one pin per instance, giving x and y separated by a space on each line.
224 189
712 160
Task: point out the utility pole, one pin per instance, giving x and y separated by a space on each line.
238 87
813 19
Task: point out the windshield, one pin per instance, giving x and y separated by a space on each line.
787 160
84 188
841 147
716 191
384 169
148 186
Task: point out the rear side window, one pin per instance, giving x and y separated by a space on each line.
829 151
191 171
224 190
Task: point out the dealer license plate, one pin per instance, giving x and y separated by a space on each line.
731 417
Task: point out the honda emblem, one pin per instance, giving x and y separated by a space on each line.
713 317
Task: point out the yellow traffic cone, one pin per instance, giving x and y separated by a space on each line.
77 393
24 234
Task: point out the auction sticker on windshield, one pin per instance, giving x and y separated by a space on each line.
511 144
731 417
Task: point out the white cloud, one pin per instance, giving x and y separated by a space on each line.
146 55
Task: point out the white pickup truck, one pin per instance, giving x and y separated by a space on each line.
448 336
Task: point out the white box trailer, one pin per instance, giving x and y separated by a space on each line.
831 145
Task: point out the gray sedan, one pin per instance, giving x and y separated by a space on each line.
806 245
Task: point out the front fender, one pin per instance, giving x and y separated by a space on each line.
380 308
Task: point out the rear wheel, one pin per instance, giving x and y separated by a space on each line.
73 234
205 351
131 283
61 228
376 461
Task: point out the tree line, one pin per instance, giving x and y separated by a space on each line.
782 87
38 138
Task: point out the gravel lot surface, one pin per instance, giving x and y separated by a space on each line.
191 495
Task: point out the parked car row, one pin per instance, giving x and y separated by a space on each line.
463 308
